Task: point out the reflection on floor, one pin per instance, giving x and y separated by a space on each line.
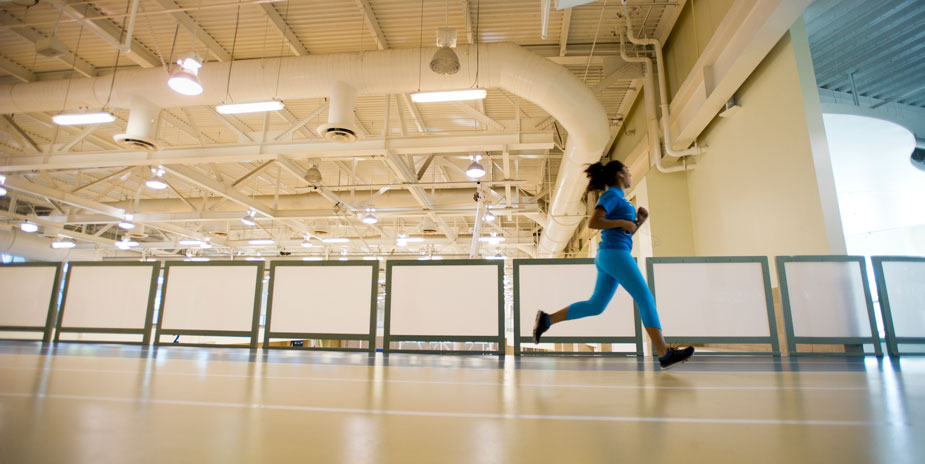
79 403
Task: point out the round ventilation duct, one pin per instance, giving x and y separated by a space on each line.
340 127
140 133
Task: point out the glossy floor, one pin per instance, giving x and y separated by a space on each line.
112 404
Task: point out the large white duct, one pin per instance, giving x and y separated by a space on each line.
501 65
304 201
38 248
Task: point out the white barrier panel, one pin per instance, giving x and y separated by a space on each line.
107 296
905 283
444 300
827 299
25 294
321 299
711 299
210 297
550 287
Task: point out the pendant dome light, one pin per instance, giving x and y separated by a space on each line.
475 169
184 78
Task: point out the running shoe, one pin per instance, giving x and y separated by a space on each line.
675 356
540 326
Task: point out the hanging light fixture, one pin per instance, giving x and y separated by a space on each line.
449 95
445 61
255 107
369 217
488 216
313 176
336 240
127 223
206 243
475 170
156 182
184 78
80 119
306 243
28 227
494 239
2 188
126 243
248 218
63 243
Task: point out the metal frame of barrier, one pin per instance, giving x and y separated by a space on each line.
518 339
52 314
892 341
145 332
498 339
370 336
793 340
771 339
255 322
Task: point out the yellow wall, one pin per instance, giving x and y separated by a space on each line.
754 192
633 130
669 214
696 24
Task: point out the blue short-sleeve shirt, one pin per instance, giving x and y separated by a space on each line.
617 207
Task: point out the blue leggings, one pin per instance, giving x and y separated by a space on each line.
614 268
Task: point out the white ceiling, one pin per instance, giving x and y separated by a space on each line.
222 31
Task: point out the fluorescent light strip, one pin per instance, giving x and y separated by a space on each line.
261 242
335 240
452 95
78 119
410 239
190 242
255 107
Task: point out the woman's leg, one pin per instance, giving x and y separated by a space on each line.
622 265
604 289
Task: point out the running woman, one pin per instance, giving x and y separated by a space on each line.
618 221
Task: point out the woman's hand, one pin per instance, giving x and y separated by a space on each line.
641 215
629 227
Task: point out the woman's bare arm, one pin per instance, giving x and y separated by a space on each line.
599 220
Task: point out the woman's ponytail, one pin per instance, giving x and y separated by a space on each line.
601 176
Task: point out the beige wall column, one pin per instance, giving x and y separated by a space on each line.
755 191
